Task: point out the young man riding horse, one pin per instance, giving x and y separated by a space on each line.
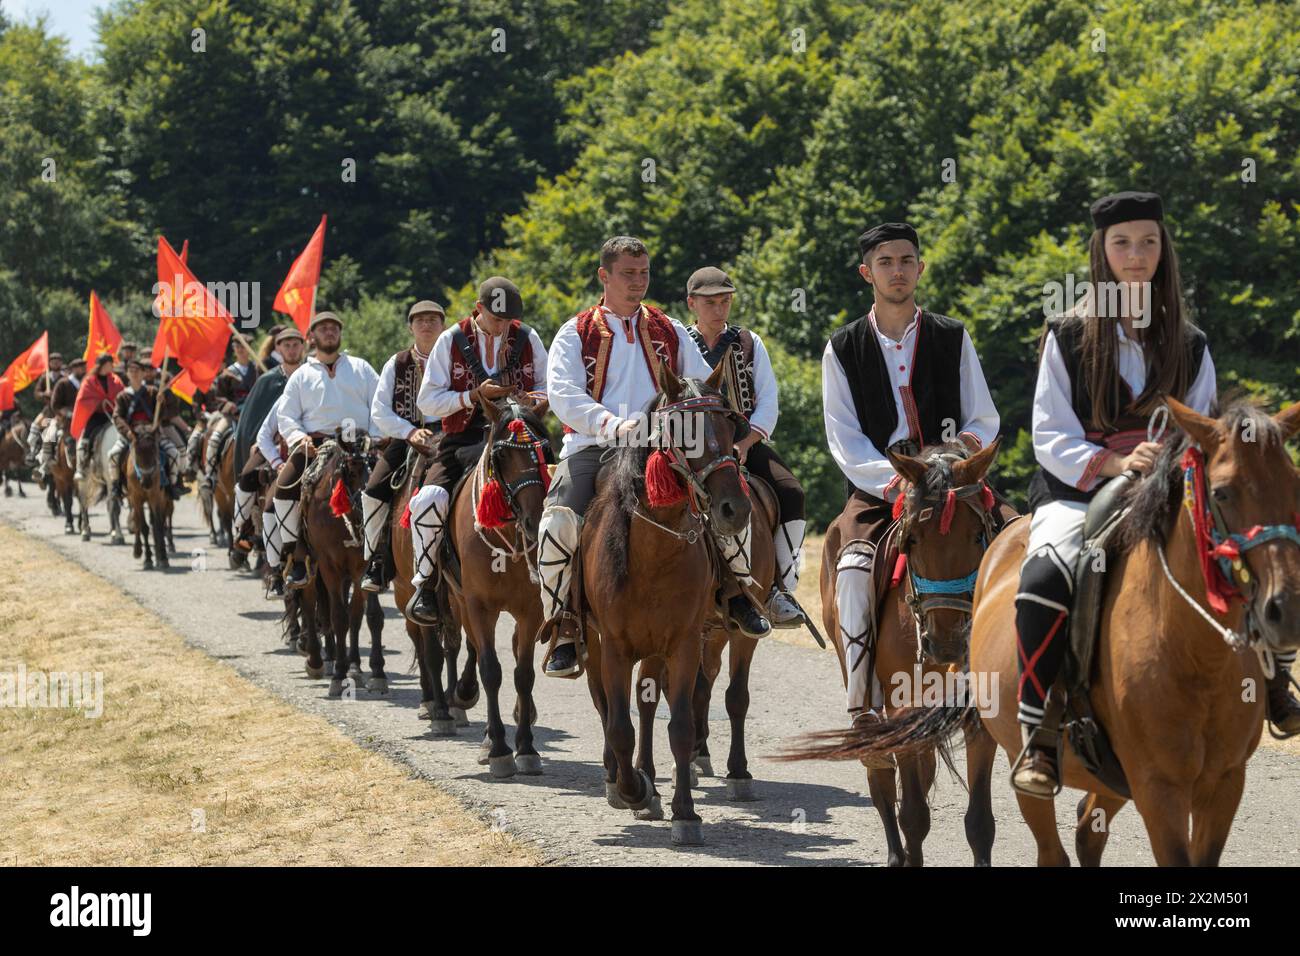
491 354
1102 372
330 391
231 388
95 400
394 416
897 379
58 401
751 392
602 372
135 406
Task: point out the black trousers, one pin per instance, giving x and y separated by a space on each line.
380 486
762 460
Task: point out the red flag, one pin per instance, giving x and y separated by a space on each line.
297 297
183 385
103 335
29 366
93 397
185 251
193 328
6 394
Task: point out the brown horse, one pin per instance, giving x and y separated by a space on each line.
148 500
649 579
62 469
13 454
948 517
1180 699
331 529
652 676
223 498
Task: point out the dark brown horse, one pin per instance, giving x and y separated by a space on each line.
147 498
947 521
62 469
331 529
13 453
649 579
217 503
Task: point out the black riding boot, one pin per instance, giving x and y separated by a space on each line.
1283 708
373 579
747 617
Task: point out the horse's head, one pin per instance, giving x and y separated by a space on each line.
352 460
946 521
517 452
696 429
1252 495
144 441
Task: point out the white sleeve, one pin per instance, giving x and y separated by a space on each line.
566 386
539 362
689 356
1060 445
289 416
437 399
982 419
383 419
1204 391
855 453
266 435
766 407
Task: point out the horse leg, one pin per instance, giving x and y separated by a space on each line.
356 603
433 706
339 627
138 544
710 665
683 666
1040 817
526 758
1212 816
740 784
981 750
466 680
480 626
160 535
596 688
916 773
650 677
142 530
616 676
1166 812
378 681
884 797
1095 814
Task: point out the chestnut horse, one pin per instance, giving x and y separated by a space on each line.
1178 689
947 516
331 529
13 454
146 496
62 469
650 573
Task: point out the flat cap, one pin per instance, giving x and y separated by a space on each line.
502 298
56 355
320 317
288 332
709 281
1125 207
425 305
886 232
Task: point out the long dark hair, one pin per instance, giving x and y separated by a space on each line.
1167 371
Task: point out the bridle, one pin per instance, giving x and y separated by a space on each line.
695 402
518 436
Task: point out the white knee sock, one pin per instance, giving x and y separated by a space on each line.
271 538
558 534
289 517
243 507
789 553
428 518
855 606
736 550
374 515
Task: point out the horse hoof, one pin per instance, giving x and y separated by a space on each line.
502 767
653 811
148 565
456 700
612 797
740 791
458 715
485 752
532 710
688 833
117 539
314 672
336 687
695 777
444 727
647 788
358 679
529 765
377 685
423 712
703 766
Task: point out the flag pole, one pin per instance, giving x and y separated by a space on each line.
158 399
256 361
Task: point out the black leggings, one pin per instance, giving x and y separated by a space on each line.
380 486
762 460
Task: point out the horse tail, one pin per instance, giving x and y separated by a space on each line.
911 733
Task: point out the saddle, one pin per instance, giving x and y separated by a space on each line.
1068 701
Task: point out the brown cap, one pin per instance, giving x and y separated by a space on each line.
709 281
501 297
79 360
129 345
288 332
425 305
56 355
320 317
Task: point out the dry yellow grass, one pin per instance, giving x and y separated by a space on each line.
189 763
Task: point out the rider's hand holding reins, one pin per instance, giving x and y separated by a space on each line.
745 444
422 440
1141 459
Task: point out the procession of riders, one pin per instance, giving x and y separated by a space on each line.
897 383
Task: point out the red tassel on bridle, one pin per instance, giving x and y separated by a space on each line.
493 509
519 428
949 509
900 503
405 519
662 485
340 500
986 496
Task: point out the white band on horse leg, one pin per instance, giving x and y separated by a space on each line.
429 508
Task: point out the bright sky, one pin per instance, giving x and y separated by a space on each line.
74 19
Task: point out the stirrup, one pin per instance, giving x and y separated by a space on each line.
564 623
1047 752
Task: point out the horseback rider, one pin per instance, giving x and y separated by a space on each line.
601 376
230 389
257 418
96 395
331 390
395 415
44 391
133 407
125 352
1103 369
898 378
751 392
490 353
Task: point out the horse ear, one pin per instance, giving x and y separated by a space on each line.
714 381
977 465
912 469
669 383
1289 421
541 407
1204 431
490 408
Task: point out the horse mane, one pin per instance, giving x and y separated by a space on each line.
1154 501
938 461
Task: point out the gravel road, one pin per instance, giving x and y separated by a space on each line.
807 813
